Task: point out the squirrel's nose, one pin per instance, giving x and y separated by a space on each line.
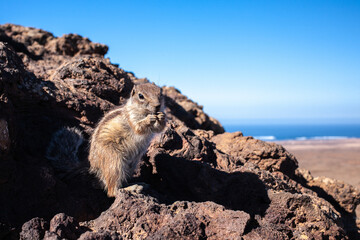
157 108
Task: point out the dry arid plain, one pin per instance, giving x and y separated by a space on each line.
339 159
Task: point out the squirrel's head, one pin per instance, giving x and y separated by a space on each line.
148 98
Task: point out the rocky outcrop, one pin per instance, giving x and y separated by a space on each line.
38 42
185 220
268 156
34 229
197 181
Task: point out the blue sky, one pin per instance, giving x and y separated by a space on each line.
294 60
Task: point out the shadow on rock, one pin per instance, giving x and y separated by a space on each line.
181 179
347 218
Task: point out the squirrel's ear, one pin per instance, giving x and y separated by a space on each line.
133 91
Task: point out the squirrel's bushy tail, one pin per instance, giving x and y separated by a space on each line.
63 149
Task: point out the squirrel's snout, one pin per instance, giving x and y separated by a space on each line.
157 108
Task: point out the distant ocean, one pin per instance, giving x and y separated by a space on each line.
274 132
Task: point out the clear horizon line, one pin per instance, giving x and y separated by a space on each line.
234 121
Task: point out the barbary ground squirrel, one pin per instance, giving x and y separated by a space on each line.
124 134
121 137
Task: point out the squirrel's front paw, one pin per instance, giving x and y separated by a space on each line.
160 116
160 123
152 118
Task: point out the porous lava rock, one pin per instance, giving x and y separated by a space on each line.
197 182
34 229
137 216
268 156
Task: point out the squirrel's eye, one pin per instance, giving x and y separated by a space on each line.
141 96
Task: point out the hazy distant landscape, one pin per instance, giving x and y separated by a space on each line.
272 131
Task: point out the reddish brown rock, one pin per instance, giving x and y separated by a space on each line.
12 72
137 216
29 116
344 197
268 156
27 40
343 194
180 141
64 226
39 42
302 216
34 229
73 44
90 86
51 236
101 235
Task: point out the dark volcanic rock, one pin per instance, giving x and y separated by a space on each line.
64 226
34 229
302 216
51 236
73 44
8 232
90 86
199 182
137 216
100 235
336 192
39 42
268 156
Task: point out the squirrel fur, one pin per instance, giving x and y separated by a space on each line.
63 149
118 141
